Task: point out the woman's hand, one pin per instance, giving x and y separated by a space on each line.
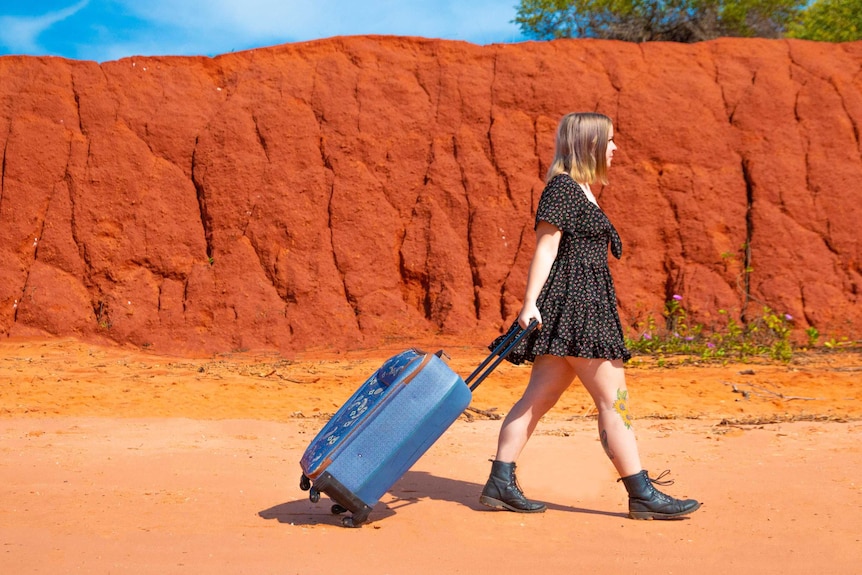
529 313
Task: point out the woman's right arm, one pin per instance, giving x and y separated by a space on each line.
548 238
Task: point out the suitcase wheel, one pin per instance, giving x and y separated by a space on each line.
314 495
357 519
348 522
304 483
337 509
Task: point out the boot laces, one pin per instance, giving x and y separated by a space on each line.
658 480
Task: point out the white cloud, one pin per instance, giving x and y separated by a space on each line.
21 33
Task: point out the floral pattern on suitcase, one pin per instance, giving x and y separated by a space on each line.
365 398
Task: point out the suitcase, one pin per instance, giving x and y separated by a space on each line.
387 425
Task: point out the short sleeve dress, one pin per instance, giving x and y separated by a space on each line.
578 302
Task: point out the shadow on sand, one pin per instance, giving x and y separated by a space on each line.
411 489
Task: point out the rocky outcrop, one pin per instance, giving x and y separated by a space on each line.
343 192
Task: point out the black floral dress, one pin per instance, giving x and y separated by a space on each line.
578 302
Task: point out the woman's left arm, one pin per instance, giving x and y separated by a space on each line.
548 238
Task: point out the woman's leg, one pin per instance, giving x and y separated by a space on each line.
549 378
605 381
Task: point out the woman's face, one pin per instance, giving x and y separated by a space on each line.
611 146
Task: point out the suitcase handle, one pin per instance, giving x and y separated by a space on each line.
500 352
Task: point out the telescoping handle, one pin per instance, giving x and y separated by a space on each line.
498 354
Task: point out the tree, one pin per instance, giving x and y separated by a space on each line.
651 20
830 21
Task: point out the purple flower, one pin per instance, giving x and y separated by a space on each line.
710 345
677 297
788 317
689 338
646 336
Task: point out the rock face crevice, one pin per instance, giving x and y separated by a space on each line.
351 191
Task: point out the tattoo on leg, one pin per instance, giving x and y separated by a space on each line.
621 405
607 446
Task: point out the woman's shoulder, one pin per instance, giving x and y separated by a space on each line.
561 202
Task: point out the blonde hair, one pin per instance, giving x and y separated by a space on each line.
581 148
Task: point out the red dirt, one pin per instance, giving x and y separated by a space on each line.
116 460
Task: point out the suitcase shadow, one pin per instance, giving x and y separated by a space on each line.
306 514
412 488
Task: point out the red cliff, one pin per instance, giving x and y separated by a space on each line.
347 191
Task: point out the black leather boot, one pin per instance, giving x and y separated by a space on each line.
647 502
502 491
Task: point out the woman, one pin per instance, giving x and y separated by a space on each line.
571 295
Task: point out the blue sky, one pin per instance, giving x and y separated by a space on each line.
103 30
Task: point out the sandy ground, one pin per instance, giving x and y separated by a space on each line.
121 461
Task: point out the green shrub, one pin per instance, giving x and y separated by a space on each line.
765 336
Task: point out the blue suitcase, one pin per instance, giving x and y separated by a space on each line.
387 425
